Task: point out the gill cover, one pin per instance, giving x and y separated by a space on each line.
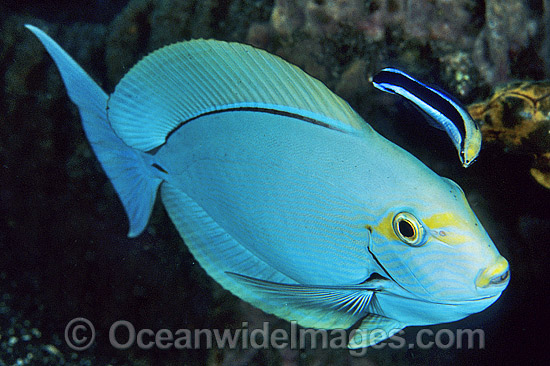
400 236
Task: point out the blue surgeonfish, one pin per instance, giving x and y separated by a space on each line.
284 194
444 112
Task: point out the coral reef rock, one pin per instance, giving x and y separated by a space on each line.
517 117
508 29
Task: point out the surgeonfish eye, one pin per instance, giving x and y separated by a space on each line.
408 229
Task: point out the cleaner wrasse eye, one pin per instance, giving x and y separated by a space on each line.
446 112
283 193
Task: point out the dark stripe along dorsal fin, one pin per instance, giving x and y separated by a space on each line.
187 79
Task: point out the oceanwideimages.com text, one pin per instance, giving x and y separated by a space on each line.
80 335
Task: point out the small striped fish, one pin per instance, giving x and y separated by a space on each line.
284 194
447 113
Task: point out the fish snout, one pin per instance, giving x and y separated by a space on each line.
496 274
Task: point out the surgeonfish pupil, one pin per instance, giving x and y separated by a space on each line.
406 229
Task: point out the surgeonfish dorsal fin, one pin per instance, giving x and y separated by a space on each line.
185 80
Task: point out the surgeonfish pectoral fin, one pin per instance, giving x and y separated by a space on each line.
374 329
314 306
123 165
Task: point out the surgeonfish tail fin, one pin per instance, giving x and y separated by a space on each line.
133 181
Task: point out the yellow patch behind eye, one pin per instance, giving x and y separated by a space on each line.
441 220
445 227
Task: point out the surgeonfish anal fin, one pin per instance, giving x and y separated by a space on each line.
125 167
316 306
185 80
374 329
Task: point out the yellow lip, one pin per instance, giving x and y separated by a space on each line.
495 274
